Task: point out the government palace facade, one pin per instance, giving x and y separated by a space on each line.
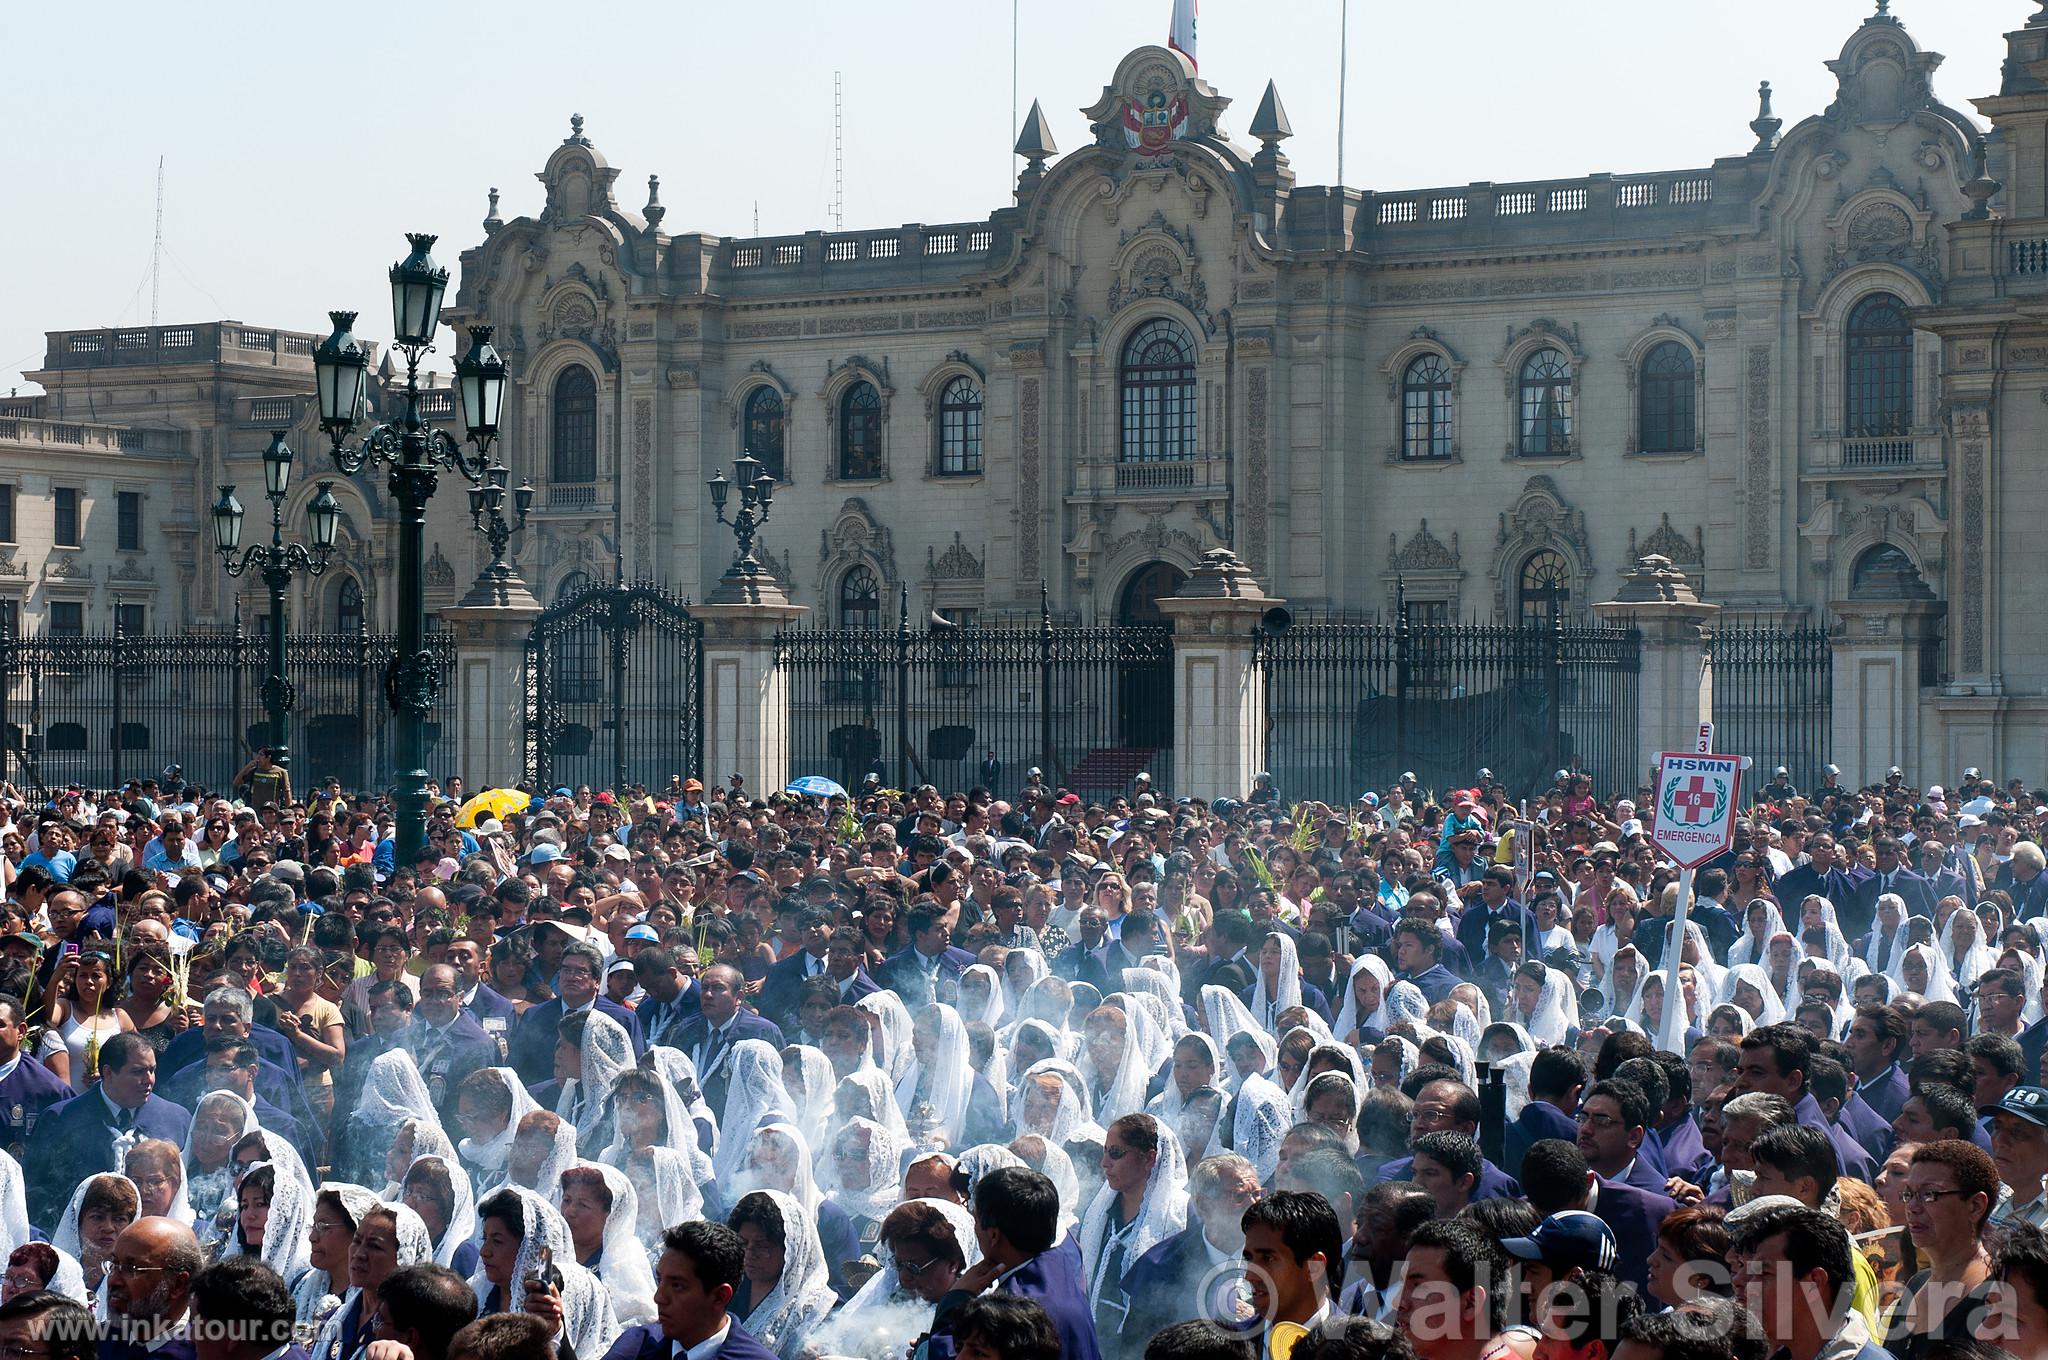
1812 375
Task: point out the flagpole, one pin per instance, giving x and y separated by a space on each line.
1343 76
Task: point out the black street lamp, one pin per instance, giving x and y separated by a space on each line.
488 499
757 489
278 561
415 454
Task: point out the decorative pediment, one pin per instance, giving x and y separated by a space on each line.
1881 225
1540 520
1155 100
1423 552
855 536
1668 543
131 570
957 563
579 182
440 573
66 569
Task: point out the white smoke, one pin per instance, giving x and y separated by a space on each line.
877 1331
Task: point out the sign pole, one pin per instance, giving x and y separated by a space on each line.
1671 1033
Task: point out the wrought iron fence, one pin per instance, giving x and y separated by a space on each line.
615 689
1090 706
100 709
1773 697
1353 703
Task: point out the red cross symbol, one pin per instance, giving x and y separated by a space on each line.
1695 803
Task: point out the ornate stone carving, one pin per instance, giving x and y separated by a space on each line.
1540 518
1028 509
1757 461
1154 534
1972 429
439 571
1424 552
1883 232
66 569
957 563
855 535
643 484
1256 492
1667 543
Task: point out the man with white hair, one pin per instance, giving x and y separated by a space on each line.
1196 1263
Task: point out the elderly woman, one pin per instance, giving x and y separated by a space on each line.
603 1213
520 1228
784 1291
1951 1189
387 1237
100 1208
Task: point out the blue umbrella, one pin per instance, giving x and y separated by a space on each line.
815 785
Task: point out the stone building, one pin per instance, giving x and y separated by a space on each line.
1808 374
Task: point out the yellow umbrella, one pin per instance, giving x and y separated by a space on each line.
491 804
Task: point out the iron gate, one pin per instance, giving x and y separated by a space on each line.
1774 691
1353 703
615 689
1090 706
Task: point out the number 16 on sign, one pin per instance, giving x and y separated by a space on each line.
1694 822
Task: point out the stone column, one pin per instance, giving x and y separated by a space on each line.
1670 700
746 699
1877 650
491 625
1219 691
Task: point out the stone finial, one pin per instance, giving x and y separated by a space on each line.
576 131
1654 580
1269 123
653 212
1222 575
1764 125
491 219
1034 140
1980 188
2039 20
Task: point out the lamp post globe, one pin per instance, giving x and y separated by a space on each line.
227 521
341 375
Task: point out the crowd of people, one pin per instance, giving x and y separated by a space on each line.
1017 1073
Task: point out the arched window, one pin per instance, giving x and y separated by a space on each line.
860 433
1664 396
1546 392
763 431
575 427
860 599
348 606
1880 376
1544 587
577 678
960 428
1426 408
1158 381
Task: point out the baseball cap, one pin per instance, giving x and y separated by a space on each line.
544 854
1567 1240
2027 1102
693 786
643 932
617 851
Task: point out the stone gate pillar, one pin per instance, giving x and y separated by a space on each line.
746 699
1659 601
491 625
1219 691
1877 651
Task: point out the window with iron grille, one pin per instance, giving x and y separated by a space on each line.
1546 392
860 606
1879 383
6 513
960 428
1544 588
67 618
66 505
578 668
128 521
1158 385
1426 408
575 427
860 433
348 606
1665 396
764 429
132 619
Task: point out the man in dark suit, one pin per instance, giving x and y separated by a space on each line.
1614 1118
1450 1106
232 1065
1676 1131
532 1053
77 1137
778 990
1555 1080
1496 903
242 1308
28 1089
1016 1220
149 1289
1556 1178
2025 880
700 1266
930 969
1823 875
492 1011
709 1038
234 1011
1418 949
1080 961
843 966
446 1042
1161 1282
1229 940
1709 909
1892 876
670 999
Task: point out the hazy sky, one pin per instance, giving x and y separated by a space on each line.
300 140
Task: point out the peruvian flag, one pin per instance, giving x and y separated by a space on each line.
1181 38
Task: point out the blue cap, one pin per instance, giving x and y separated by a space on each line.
1569 1239
564 791
2027 1102
544 854
642 932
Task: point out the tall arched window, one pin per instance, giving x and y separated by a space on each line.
1664 396
1426 408
960 428
1158 381
1544 587
1880 374
576 650
1546 405
348 606
860 599
763 431
860 433
575 427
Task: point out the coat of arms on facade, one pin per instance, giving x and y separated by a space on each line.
1154 120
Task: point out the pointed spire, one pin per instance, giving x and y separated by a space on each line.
491 219
1270 123
1764 125
1034 142
653 212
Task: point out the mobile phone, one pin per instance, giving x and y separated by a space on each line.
68 948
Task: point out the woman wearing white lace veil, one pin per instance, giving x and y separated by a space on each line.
1515 1073
1056 1109
389 1237
1406 1057
438 1190
290 1212
485 1161
1122 1049
867 1094
416 1138
654 1144
603 1214
1277 979
1052 1161
2028 965
873 1323
862 1173
1033 966
1143 1201
541 1151
1032 1041
1405 1004
337 1209
1148 982
1197 1066
1921 965
393 1095
1460 1056
1361 1019
1761 920
808 1077
1049 1001
517 1224
1877 947
676 1069
100 1208
981 996
1962 947
1645 1009
14 1229
1817 913
754 1094
219 1121
1749 988
1225 1016
780 1159
894 1040
934 1089
603 1051
983 1158
1551 1023
800 1296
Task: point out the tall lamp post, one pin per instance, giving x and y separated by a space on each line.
757 490
278 561
415 455
487 515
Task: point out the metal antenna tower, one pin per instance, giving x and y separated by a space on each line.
838 155
156 258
